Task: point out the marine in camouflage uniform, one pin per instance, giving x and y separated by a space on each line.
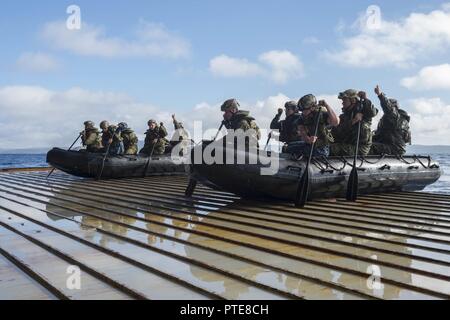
288 127
356 108
90 137
393 132
129 139
307 125
155 139
180 137
111 136
235 119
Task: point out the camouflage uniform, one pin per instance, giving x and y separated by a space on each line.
345 134
180 133
393 131
91 138
287 127
308 123
155 140
115 147
130 142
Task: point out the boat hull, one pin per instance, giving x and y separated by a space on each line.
328 176
88 165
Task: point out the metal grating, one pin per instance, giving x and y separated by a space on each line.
143 239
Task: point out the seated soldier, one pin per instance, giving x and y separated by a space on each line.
356 108
90 137
235 119
393 132
288 127
307 127
111 139
155 142
129 139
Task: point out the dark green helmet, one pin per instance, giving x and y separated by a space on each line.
292 105
89 124
307 102
231 103
393 102
350 93
123 125
152 121
104 125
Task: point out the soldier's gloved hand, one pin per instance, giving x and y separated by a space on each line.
311 140
358 117
280 111
377 90
362 95
162 124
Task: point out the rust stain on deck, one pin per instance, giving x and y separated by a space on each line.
143 239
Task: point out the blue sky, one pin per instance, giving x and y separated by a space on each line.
308 37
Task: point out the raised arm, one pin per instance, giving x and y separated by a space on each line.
387 107
333 119
276 123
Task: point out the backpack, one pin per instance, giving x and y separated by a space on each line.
404 126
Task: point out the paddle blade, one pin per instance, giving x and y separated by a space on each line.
302 190
51 172
191 188
352 187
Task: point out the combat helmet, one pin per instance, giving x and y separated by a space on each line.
393 102
89 124
231 103
307 102
104 124
350 93
152 121
291 105
123 125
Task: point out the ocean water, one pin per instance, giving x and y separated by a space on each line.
38 160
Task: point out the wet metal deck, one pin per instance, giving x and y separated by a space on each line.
142 239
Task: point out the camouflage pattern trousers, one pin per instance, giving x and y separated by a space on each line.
158 149
383 148
347 150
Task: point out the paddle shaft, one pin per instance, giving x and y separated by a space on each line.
303 185
268 140
104 158
218 131
70 148
149 158
352 188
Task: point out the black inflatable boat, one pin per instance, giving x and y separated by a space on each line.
328 176
88 165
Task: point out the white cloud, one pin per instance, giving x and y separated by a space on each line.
278 65
38 117
398 43
152 40
37 62
226 66
34 116
429 78
430 121
283 65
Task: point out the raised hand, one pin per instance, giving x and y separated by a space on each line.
377 90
